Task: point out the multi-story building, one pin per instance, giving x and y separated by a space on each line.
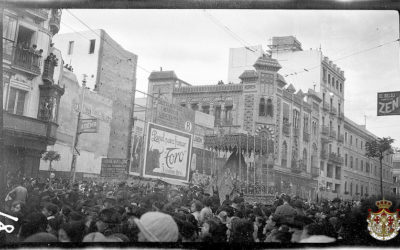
312 70
111 72
396 173
362 174
31 97
304 131
287 119
92 147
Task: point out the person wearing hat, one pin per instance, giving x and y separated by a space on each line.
157 227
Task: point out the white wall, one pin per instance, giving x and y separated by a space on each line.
241 59
292 62
81 61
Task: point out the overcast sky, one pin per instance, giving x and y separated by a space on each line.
197 49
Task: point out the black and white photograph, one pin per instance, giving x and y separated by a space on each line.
190 124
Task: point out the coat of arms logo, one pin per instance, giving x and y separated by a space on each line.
383 225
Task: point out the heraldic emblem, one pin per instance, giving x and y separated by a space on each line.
383 225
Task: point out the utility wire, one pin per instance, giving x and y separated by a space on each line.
342 58
102 38
228 30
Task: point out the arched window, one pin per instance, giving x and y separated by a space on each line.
304 166
284 155
270 108
262 107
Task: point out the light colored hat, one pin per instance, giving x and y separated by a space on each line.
94 237
158 227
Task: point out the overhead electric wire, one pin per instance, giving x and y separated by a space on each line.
87 26
341 58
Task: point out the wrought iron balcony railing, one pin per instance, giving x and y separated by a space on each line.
314 172
325 130
27 60
336 158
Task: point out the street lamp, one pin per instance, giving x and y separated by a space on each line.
74 149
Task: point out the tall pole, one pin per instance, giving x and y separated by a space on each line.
131 125
77 133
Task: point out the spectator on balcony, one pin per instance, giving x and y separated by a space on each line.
33 49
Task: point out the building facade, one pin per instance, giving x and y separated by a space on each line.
362 174
31 96
92 146
305 131
111 72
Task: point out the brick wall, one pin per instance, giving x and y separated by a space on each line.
117 81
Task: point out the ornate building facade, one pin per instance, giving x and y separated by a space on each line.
304 131
31 96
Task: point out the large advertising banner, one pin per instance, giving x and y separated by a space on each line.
168 153
137 147
389 103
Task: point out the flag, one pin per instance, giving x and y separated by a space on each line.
227 175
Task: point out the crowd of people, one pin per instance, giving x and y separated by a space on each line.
127 212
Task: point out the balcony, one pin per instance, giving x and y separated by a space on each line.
41 14
48 69
325 106
341 138
286 129
333 111
325 130
336 158
306 136
296 132
341 116
27 127
314 172
27 61
55 21
332 134
324 155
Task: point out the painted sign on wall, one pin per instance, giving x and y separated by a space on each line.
168 153
389 103
88 125
113 168
174 116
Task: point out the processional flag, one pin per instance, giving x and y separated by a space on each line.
228 174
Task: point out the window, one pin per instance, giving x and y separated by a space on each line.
92 46
367 167
356 142
329 78
9 32
330 148
324 74
296 115
361 145
70 47
345 160
284 155
337 85
345 137
362 166
270 108
341 87
16 101
351 161
305 123
356 163
262 107
351 140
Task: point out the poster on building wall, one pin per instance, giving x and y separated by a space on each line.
113 168
388 103
167 154
174 116
137 148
